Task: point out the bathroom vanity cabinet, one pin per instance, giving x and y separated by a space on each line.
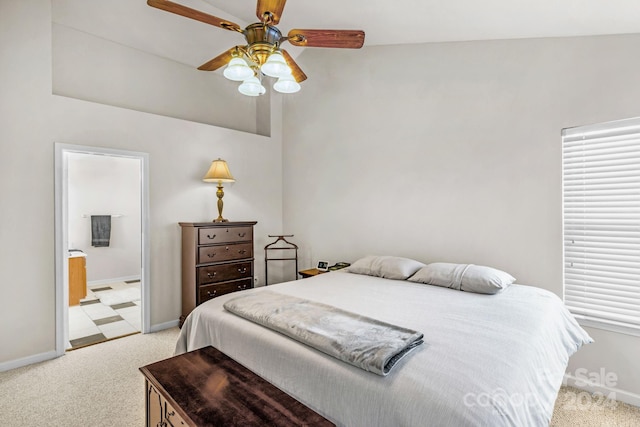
77 279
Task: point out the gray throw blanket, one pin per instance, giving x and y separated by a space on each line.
363 342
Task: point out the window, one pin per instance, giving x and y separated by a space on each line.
601 220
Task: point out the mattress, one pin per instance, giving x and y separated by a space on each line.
492 360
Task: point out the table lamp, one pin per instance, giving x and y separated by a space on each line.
219 173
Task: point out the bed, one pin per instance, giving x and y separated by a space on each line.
494 360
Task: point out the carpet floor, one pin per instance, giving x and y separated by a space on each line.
578 408
101 385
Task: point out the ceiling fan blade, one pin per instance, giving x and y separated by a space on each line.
273 7
218 61
296 71
351 39
187 12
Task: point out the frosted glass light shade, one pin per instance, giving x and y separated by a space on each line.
251 87
238 70
287 84
276 66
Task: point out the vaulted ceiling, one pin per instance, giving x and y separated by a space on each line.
135 24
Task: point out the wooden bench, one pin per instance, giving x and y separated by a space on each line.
207 388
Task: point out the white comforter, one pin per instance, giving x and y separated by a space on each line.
488 360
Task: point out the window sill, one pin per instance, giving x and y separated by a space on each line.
590 323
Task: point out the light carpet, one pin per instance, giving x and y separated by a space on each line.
578 408
94 386
101 385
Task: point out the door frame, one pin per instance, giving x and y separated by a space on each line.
61 196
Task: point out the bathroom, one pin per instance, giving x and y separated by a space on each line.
104 242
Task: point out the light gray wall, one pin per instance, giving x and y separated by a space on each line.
452 152
94 69
106 185
180 152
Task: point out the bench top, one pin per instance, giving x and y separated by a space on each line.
208 388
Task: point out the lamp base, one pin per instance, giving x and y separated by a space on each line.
220 194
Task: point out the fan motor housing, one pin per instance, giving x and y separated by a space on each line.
260 32
262 39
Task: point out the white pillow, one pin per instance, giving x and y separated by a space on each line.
389 267
464 277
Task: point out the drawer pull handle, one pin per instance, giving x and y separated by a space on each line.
210 237
242 234
212 294
211 254
211 275
242 287
242 270
226 248
242 251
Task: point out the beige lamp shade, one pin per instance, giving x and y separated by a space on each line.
218 172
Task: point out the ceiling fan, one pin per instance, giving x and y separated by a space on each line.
263 51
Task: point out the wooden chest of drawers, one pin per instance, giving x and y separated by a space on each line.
217 258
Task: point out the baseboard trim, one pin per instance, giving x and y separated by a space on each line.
620 395
42 357
166 325
29 360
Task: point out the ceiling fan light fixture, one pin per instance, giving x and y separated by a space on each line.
251 87
276 66
263 55
238 70
286 84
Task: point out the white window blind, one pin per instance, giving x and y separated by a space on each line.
601 211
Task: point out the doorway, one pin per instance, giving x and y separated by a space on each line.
98 190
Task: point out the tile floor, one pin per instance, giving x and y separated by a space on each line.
92 321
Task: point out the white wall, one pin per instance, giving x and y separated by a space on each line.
32 120
26 181
452 152
106 185
94 69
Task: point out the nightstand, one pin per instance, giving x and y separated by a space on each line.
310 272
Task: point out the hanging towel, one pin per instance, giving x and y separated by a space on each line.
100 230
